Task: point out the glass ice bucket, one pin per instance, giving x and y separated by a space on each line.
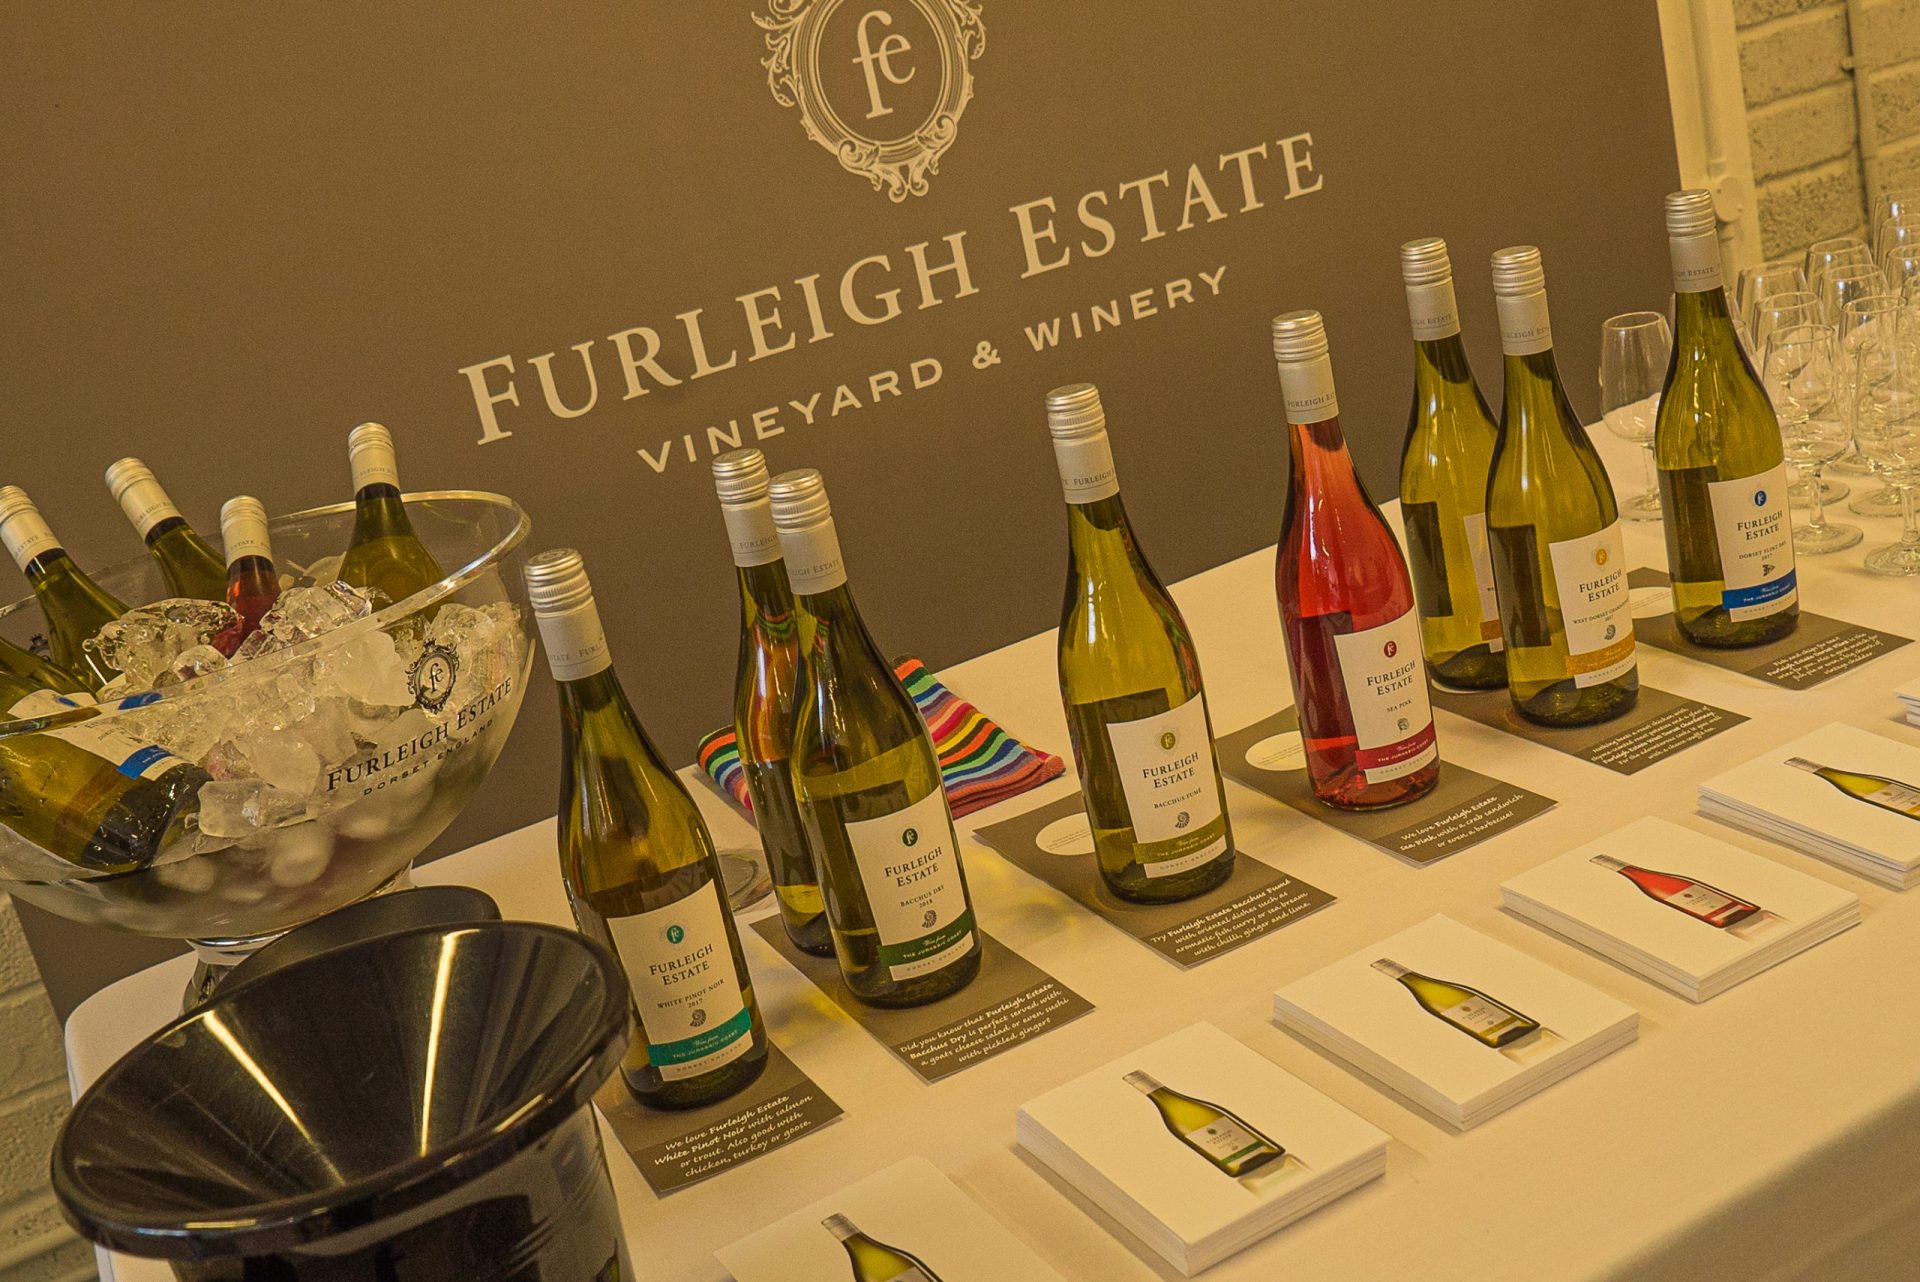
330 762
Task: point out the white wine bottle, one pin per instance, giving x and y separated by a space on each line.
1130 680
26 666
1559 559
1444 465
75 607
763 687
640 867
1723 475
189 565
1487 1020
1233 1145
876 1261
868 782
384 553
1875 790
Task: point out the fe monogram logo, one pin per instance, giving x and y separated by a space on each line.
881 84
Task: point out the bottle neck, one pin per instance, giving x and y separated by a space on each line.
766 600
814 564
750 532
1097 530
1702 323
1432 310
160 529
1439 363
379 512
31 543
576 644
1087 475
252 572
1322 469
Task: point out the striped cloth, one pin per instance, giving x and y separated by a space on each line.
979 762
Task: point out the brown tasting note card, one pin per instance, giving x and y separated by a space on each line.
1659 725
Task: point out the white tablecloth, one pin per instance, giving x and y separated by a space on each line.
1772 1133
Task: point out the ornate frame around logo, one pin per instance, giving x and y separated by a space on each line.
899 167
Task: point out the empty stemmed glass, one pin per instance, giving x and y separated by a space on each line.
1841 251
1634 350
1841 284
1901 267
1896 233
1861 322
1886 424
1804 378
1771 315
1754 286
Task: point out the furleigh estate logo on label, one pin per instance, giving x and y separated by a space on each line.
881 84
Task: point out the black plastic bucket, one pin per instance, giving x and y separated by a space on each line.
411 1108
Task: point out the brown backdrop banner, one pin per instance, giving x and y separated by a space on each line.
569 252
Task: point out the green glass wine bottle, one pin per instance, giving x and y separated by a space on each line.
763 688
1876 790
1444 465
84 788
874 1261
869 785
1723 475
74 606
1559 559
1130 680
1233 1145
1483 1018
24 665
189 565
384 553
640 867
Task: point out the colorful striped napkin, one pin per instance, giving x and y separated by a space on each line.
980 762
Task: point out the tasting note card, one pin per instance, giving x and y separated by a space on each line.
1817 650
675 1149
1464 809
1010 1001
1054 843
1659 725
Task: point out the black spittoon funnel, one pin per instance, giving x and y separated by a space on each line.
407 1108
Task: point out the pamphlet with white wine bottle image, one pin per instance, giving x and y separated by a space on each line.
1454 1020
1688 911
1200 1145
907 1223
1842 793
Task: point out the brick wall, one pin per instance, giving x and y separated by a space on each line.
1801 117
35 1244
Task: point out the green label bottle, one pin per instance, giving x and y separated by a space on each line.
1487 1020
1233 1145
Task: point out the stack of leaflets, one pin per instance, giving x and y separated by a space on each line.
1909 696
1200 1146
1690 912
1458 1023
1845 794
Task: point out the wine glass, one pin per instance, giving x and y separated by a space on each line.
1861 322
1901 203
1634 349
1841 284
1901 267
1896 233
1758 283
1841 251
1886 425
1803 377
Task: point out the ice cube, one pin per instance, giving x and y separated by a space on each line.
370 669
195 662
328 731
223 803
282 758
325 570
298 855
194 876
144 643
305 612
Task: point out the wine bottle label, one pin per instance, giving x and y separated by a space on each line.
27 536
1478 1015
1902 797
813 559
750 532
1086 468
679 965
1524 326
1590 580
1751 525
245 537
1226 1141
126 752
576 644
146 504
909 865
1433 310
1387 695
1165 764
1701 901
1481 556
1307 388
1696 263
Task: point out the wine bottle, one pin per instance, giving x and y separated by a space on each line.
868 782
1875 790
75 607
763 688
1130 680
1234 1146
876 1261
189 566
640 867
252 583
1723 475
1559 560
26 666
86 789
384 553
1443 484
1483 1018
1346 603
1696 899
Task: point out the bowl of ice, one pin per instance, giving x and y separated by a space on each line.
305 772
